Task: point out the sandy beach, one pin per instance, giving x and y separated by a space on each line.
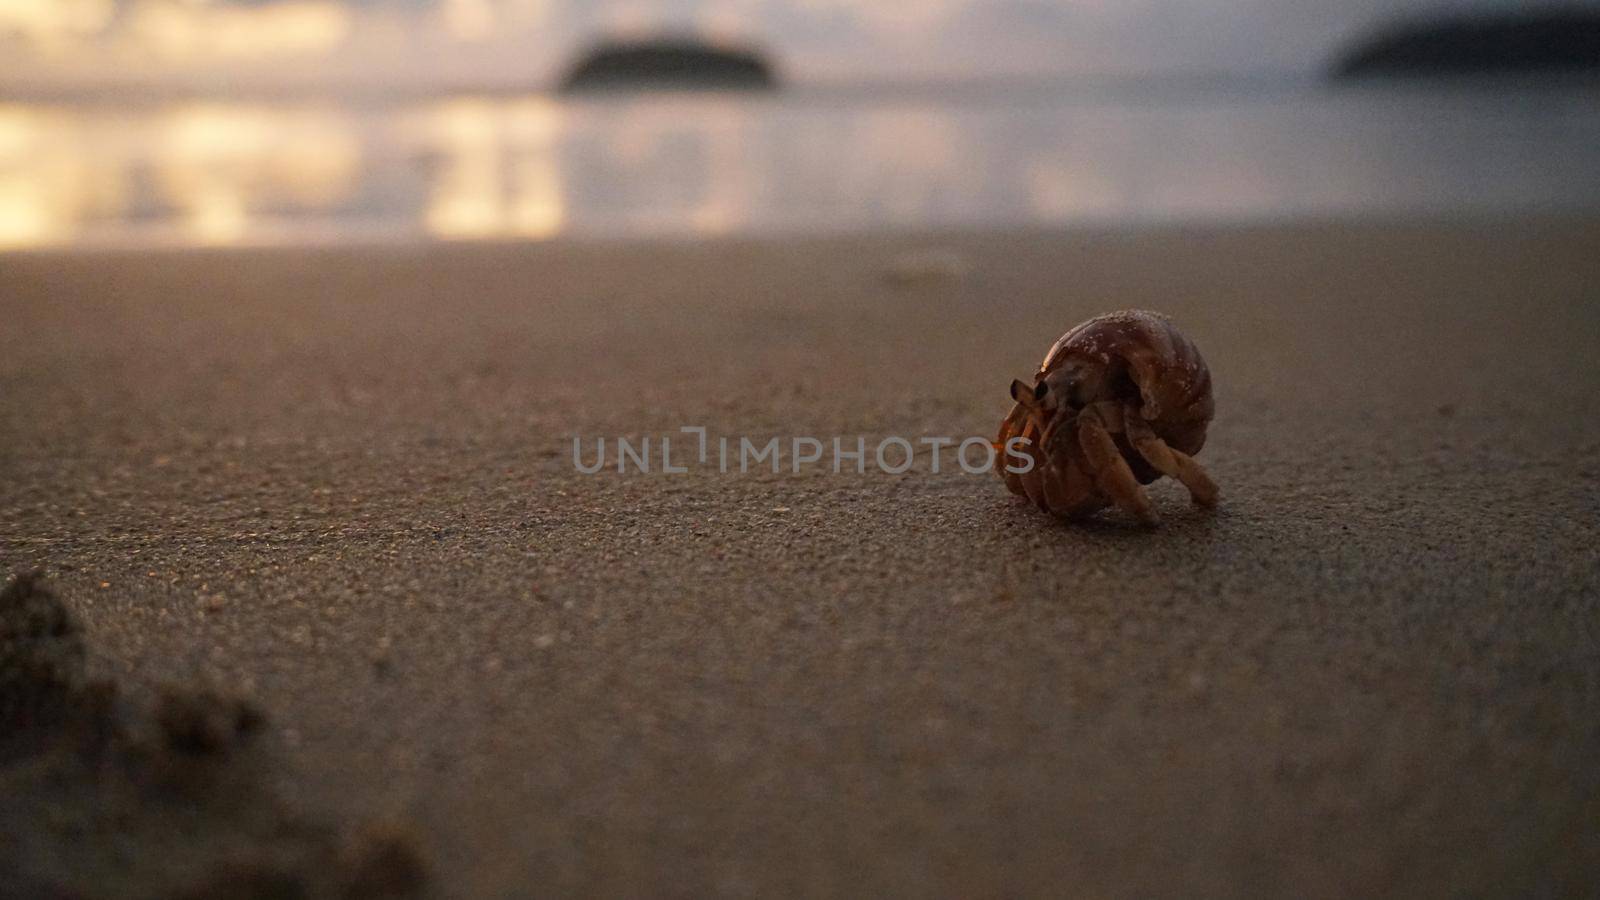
338 483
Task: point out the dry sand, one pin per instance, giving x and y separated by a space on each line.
339 483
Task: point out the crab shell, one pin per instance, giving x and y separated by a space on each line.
1148 365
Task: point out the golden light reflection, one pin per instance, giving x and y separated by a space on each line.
51 25
199 29
531 167
467 193
470 20
538 208
48 183
499 170
219 165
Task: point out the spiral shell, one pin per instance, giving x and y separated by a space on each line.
1137 359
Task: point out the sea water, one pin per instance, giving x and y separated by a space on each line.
536 166
222 122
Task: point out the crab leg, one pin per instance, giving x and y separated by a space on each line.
1173 463
1066 490
1111 471
1033 487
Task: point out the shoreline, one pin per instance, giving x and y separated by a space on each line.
325 242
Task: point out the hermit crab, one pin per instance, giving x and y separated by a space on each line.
1119 401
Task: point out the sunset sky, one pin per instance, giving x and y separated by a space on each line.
459 42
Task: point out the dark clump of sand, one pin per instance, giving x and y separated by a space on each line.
105 798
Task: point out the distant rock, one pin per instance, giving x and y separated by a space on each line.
1547 41
670 64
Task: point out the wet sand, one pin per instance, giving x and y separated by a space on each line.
339 484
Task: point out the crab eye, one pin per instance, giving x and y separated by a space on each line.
1040 389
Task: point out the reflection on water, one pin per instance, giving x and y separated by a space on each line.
497 172
219 166
536 167
192 173
48 186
